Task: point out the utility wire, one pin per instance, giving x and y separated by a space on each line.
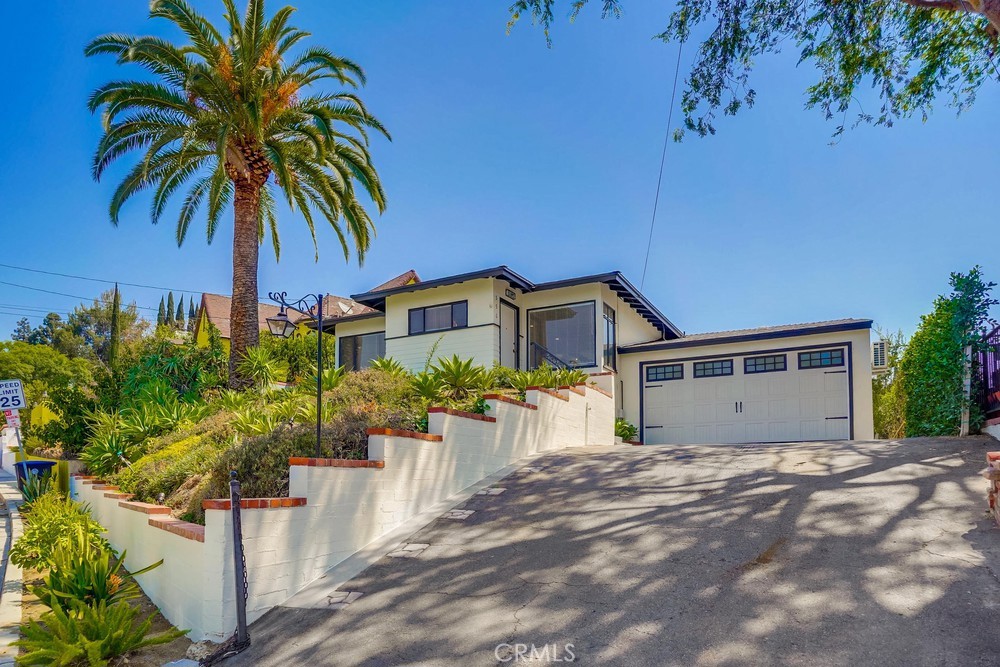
663 158
71 296
99 280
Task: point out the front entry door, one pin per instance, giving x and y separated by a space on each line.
509 343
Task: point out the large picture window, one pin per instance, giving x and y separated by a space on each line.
358 352
567 334
609 337
439 318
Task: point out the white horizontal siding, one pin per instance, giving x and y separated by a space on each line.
481 344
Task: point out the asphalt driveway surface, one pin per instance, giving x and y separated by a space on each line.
803 554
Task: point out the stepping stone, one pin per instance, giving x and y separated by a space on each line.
458 515
408 551
341 599
493 491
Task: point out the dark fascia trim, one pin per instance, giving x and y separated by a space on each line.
331 324
766 335
377 299
621 287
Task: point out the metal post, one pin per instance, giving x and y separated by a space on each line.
319 375
240 569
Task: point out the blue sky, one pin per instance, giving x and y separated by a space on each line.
507 152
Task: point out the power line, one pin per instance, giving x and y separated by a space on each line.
99 280
71 296
663 158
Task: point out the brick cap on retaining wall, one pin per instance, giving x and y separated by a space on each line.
430 437
334 463
191 531
145 508
574 388
550 392
508 399
114 495
460 413
993 422
599 390
253 503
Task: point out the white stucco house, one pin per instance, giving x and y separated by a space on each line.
773 384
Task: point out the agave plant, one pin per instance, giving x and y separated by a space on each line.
108 454
254 422
458 377
390 366
260 367
143 421
427 386
288 409
332 377
233 400
103 424
570 377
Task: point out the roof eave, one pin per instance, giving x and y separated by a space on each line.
746 338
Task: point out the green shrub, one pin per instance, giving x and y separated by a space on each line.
261 366
167 469
625 429
81 571
390 366
933 364
261 462
50 522
90 635
35 486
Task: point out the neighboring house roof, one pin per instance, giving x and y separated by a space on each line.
745 335
335 308
615 280
217 308
408 278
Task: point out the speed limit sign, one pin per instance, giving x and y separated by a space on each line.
12 395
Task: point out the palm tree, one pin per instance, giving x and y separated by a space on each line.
237 120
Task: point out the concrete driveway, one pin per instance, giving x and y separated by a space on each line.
802 554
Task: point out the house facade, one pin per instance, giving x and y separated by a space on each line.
775 384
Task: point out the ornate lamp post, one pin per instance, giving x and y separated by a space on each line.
281 326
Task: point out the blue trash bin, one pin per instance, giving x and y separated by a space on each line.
25 468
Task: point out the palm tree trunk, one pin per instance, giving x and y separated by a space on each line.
243 323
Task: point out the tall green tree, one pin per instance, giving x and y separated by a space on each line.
114 342
22 332
179 315
170 309
933 365
191 315
235 117
161 314
909 52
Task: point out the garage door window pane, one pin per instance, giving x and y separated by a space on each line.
768 364
568 333
707 369
664 373
821 358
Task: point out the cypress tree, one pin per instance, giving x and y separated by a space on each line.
170 309
116 325
161 315
180 313
192 316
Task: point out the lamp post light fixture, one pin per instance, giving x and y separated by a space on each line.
282 327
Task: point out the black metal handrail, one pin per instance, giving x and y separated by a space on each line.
538 350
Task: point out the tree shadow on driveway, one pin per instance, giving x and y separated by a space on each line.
800 554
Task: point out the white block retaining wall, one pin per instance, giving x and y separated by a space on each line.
336 507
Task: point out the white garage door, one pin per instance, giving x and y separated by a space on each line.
759 397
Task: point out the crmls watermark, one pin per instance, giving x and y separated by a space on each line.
532 653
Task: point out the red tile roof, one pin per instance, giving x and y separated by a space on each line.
217 307
399 281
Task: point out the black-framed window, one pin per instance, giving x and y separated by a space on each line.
821 358
567 333
664 373
609 337
766 364
439 318
716 368
358 352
